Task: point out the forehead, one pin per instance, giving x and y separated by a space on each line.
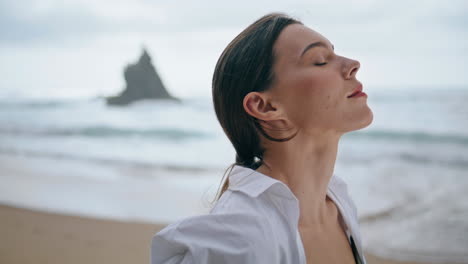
293 39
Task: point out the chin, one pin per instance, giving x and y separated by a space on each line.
364 121
368 120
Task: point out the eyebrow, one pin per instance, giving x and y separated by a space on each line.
315 44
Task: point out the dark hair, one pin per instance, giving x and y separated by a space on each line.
246 65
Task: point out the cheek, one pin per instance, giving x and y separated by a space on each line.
313 98
320 90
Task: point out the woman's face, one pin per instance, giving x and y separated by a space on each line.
312 84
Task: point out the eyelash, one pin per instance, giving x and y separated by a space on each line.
320 64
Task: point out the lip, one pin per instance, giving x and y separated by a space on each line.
356 91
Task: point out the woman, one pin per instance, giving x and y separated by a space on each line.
284 99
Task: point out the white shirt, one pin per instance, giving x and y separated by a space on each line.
254 221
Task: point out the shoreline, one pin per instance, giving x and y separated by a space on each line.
34 236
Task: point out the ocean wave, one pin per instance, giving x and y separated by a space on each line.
24 103
40 104
106 131
410 136
107 161
422 159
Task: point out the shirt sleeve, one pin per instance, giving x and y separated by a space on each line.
214 238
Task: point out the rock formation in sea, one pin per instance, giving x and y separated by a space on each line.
142 82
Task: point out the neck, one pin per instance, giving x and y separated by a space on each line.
306 167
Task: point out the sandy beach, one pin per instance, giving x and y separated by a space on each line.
40 237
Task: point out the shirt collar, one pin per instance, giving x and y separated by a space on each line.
254 183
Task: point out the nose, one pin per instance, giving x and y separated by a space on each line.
351 68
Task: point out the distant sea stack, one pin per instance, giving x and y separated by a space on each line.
142 82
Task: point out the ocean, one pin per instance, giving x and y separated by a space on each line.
160 161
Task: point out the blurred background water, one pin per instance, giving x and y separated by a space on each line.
422 127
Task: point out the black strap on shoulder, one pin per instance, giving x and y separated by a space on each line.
357 258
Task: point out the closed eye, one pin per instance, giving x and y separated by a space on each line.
321 64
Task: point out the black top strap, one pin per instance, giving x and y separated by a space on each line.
357 258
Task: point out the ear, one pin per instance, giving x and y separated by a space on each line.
258 105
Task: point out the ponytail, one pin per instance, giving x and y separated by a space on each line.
251 163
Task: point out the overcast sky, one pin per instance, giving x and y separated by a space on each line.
80 47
